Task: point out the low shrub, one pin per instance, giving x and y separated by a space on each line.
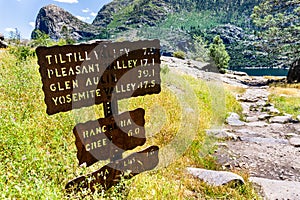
179 54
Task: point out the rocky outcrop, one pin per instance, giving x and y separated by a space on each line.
3 44
57 23
234 120
294 72
230 33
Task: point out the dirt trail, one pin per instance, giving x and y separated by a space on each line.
266 144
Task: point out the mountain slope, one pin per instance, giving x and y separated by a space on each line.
174 22
137 13
122 15
132 13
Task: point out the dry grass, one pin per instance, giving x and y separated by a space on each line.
235 90
289 90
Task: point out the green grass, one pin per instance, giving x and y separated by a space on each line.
38 153
36 150
286 98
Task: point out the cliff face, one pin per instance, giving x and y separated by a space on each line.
57 22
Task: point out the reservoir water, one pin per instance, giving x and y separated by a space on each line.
264 72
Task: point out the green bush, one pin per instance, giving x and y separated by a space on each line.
21 52
179 54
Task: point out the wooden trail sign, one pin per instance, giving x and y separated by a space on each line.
110 174
76 76
99 139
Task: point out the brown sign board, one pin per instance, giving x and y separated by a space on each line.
76 76
110 174
99 139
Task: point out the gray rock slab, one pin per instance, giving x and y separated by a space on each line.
260 140
254 95
239 73
257 81
290 135
252 119
271 110
257 124
298 117
221 133
261 103
280 119
297 128
264 116
245 107
274 189
234 120
215 178
246 132
276 126
295 141
221 144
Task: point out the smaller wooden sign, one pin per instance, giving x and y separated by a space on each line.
99 139
110 174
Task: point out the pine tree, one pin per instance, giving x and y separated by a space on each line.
279 28
219 55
